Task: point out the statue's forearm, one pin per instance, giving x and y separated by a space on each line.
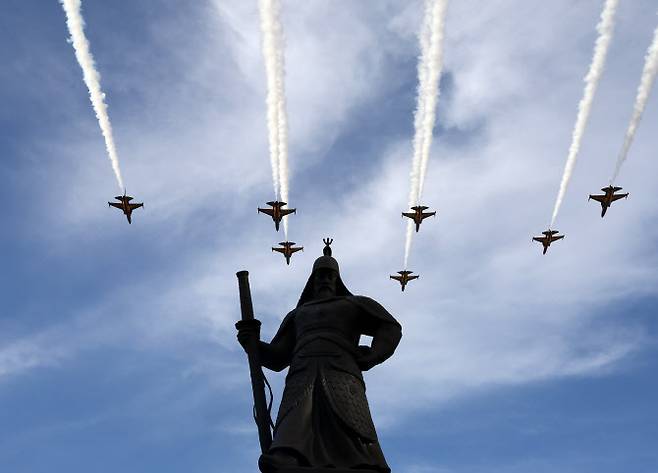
273 357
385 341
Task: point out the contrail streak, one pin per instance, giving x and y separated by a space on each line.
605 29
91 77
269 35
644 90
430 65
277 118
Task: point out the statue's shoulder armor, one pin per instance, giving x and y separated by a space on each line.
289 318
373 308
286 324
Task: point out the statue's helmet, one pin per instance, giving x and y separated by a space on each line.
326 261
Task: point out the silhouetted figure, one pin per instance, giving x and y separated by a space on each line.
324 419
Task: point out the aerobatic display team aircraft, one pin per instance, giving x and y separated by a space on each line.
288 249
418 215
549 237
610 195
276 212
125 205
404 277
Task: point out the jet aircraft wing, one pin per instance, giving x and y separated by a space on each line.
598 198
397 278
280 250
285 212
408 214
269 212
135 206
619 196
115 204
427 214
540 239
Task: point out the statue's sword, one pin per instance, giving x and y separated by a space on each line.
261 411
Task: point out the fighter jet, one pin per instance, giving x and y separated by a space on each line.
288 249
549 237
404 277
418 215
125 205
608 198
276 212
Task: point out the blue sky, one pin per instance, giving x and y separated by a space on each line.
117 345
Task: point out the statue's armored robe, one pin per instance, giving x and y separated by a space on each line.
324 418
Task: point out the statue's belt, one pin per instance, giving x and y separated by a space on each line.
334 336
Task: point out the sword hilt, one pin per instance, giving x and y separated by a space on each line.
246 305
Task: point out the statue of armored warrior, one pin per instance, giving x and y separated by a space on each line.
324 420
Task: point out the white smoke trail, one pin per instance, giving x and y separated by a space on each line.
91 77
283 130
269 33
644 90
434 69
430 65
277 118
605 30
407 244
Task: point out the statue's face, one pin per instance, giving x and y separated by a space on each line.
324 282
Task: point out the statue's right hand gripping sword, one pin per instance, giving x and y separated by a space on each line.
261 408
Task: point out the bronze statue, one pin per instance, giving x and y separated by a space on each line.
324 421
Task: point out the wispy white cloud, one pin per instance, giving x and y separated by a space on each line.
426 469
26 354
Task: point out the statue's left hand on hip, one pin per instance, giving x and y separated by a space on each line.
366 358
